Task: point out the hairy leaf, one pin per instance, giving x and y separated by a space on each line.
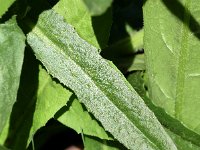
4 5
97 7
172 58
12 43
97 83
77 118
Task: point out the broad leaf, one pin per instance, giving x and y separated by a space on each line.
12 43
97 83
76 13
4 5
77 118
97 7
172 58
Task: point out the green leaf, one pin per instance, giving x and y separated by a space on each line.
38 108
123 52
12 43
128 45
182 144
4 5
97 83
138 63
51 96
91 142
97 7
77 118
76 13
172 58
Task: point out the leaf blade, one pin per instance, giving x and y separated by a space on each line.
108 92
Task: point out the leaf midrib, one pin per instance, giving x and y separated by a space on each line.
59 48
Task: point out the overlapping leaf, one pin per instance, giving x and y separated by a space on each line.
77 118
97 83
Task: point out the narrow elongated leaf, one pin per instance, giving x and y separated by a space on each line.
12 43
172 57
80 120
4 5
97 83
97 7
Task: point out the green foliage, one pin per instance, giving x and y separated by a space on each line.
87 124
4 5
183 137
58 46
50 97
181 143
99 144
11 37
63 86
173 60
97 7
76 14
